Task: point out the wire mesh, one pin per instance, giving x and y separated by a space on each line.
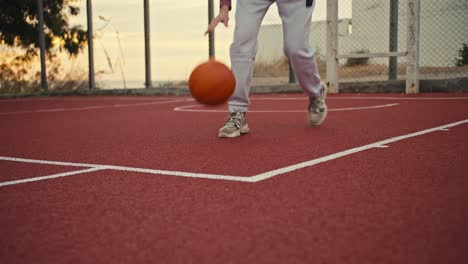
178 44
443 40
370 31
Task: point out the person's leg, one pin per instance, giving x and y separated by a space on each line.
297 19
249 16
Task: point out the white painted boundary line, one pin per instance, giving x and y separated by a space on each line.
188 109
256 178
273 173
96 107
47 162
59 175
363 98
132 169
97 98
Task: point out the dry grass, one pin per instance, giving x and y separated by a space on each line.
279 69
371 70
20 76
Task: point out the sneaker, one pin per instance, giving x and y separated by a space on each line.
235 125
318 108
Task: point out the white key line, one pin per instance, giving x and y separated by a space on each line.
255 178
188 108
382 146
273 173
95 107
96 98
363 98
59 175
132 169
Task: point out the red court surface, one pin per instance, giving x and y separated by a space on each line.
146 180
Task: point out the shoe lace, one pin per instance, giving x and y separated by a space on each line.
235 120
316 105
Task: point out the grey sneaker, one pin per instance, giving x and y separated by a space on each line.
318 108
235 125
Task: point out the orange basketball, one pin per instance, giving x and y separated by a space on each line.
212 83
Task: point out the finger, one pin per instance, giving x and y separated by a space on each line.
210 29
212 26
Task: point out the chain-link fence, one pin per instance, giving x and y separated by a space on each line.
444 39
376 24
177 44
20 72
376 27
379 27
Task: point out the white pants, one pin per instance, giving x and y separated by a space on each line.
296 18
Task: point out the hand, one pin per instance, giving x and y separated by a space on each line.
223 17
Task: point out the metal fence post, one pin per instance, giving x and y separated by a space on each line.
148 83
412 68
332 46
211 48
40 17
89 14
393 47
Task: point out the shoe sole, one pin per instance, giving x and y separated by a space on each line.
325 87
234 134
321 121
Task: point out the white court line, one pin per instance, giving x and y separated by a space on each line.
48 162
132 169
273 173
95 107
59 175
255 178
398 98
153 98
363 98
188 109
92 98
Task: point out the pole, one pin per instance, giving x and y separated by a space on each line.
332 46
147 45
412 64
393 61
211 48
89 14
40 17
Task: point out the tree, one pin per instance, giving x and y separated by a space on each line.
19 27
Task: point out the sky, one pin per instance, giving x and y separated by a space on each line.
177 40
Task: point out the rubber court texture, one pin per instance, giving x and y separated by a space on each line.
146 180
